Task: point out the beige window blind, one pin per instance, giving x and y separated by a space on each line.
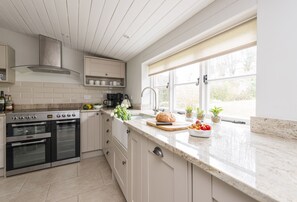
236 38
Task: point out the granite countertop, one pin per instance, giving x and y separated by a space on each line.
262 166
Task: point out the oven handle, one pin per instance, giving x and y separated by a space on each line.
60 122
27 143
28 124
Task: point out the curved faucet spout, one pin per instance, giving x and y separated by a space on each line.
156 100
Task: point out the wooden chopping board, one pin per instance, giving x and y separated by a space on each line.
174 127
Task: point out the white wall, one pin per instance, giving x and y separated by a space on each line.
217 16
27 53
277 59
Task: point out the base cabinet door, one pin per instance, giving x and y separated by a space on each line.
91 137
137 145
120 169
201 187
223 192
165 176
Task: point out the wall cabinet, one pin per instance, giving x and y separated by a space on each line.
91 137
7 60
106 71
156 174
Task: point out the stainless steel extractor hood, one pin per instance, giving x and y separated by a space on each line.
50 58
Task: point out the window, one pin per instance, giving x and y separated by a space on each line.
230 84
161 85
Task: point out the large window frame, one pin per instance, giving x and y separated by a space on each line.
204 101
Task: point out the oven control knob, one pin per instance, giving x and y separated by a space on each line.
68 115
21 117
73 115
58 115
27 117
63 115
33 117
14 118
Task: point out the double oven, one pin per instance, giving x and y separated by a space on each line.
41 139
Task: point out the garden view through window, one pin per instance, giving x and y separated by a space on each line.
231 84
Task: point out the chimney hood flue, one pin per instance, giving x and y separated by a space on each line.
50 58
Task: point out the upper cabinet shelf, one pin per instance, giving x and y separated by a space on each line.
104 72
7 60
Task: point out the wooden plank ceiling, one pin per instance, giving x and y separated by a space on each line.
112 28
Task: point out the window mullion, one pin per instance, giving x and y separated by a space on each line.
171 90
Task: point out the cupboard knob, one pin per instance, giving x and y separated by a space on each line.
124 163
107 141
107 120
106 74
158 152
107 152
107 130
128 131
97 114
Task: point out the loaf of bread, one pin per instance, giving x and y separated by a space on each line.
165 117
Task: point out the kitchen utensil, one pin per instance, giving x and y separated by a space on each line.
91 82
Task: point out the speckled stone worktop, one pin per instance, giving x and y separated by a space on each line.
262 166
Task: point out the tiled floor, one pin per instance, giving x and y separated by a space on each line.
87 181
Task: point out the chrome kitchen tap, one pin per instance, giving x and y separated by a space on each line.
156 100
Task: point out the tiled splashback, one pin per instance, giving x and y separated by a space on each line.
54 93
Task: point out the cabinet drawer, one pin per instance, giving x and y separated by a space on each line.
223 192
120 169
108 153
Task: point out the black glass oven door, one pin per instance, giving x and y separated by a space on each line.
27 153
66 143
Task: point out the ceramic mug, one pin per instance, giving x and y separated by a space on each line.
110 83
97 83
114 83
103 83
91 82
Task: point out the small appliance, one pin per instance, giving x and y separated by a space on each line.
113 99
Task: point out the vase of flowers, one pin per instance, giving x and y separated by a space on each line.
215 118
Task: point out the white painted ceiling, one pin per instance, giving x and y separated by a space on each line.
113 28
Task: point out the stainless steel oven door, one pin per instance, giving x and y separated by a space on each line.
25 156
66 141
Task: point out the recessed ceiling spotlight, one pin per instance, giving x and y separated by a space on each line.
126 36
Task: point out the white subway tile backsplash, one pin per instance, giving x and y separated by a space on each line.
54 93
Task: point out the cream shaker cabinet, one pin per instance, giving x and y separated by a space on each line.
107 139
156 174
201 187
2 143
7 60
91 138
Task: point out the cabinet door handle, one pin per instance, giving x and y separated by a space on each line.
97 114
158 152
124 163
106 74
107 141
107 120
107 152
107 130
128 131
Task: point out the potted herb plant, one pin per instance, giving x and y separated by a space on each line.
215 114
200 114
189 112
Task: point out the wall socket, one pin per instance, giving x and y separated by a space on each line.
87 97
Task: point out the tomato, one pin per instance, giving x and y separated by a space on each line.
208 127
203 127
198 122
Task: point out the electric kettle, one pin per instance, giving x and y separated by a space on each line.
126 101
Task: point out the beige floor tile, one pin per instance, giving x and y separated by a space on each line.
90 166
74 186
106 173
11 184
107 193
48 176
72 199
37 195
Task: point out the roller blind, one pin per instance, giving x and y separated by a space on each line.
236 38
